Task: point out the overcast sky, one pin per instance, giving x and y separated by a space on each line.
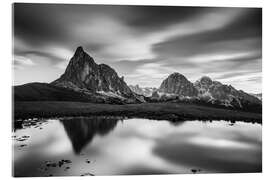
142 43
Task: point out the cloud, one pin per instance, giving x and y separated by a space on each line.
244 76
126 67
143 43
149 73
20 62
126 45
114 32
225 57
50 54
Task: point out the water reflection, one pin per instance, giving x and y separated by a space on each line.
18 124
81 131
176 123
103 146
218 156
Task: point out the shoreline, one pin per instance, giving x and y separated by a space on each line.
159 111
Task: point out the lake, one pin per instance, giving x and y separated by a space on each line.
117 146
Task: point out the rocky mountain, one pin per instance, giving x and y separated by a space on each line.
214 91
83 74
86 81
178 84
145 91
177 87
259 96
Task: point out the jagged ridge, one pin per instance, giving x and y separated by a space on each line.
177 86
84 75
145 91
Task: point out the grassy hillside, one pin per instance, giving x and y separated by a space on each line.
166 111
48 92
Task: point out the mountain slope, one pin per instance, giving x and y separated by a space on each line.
83 74
177 87
49 92
259 96
83 80
145 91
86 81
178 84
46 92
213 90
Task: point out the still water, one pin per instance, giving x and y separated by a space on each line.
109 146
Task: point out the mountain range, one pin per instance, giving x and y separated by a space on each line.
205 90
145 91
176 87
84 75
85 80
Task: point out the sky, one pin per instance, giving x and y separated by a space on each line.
144 44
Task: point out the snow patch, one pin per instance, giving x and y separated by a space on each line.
110 94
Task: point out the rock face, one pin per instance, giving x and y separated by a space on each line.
177 87
83 74
227 95
178 84
259 96
145 91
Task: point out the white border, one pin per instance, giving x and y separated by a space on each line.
5 82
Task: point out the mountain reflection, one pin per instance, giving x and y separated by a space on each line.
81 131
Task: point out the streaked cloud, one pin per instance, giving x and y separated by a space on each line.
143 43
20 62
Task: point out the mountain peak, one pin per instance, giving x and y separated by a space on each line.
146 91
177 83
83 74
206 80
80 56
79 51
176 74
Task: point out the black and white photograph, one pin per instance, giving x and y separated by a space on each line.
135 90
